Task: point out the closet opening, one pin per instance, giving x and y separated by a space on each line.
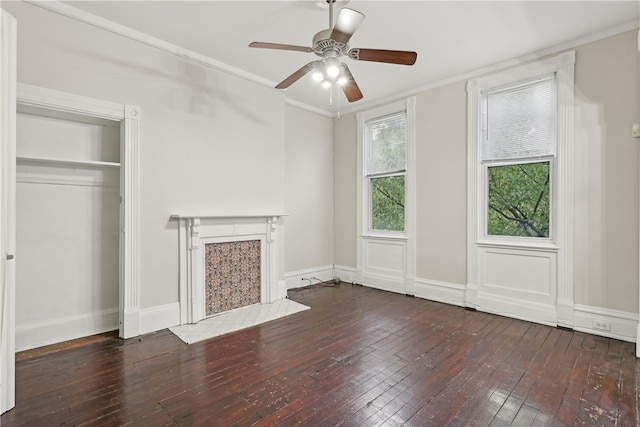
68 222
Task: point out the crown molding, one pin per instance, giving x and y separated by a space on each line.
307 107
88 18
122 30
623 28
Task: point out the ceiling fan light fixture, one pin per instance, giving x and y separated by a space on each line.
341 80
326 84
317 75
333 71
333 67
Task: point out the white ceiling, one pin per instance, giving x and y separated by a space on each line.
452 38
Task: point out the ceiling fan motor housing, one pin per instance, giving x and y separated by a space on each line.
324 46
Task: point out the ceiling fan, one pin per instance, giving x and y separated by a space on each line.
332 44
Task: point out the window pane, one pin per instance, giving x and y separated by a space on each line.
387 203
520 122
387 145
519 200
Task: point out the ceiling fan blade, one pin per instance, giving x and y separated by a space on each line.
401 57
347 23
350 88
296 76
279 46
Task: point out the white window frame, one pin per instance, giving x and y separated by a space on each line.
561 190
402 277
369 177
486 164
364 188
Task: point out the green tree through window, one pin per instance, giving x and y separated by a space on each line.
387 203
519 200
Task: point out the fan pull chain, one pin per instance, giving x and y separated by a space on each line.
331 95
339 98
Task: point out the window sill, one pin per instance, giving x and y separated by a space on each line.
384 236
546 246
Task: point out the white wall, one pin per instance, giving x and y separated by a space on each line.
210 141
346 191
309 195
441 150
606 233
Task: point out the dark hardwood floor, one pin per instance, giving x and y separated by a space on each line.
359 357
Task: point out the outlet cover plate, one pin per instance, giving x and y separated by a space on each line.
601 325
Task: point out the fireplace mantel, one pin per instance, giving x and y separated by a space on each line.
219 215
197 229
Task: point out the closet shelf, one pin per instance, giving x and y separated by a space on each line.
66 162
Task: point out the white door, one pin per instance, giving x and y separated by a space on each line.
7 213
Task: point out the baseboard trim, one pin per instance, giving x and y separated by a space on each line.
54 331
306 277
385 283
504 306
344 273
448 293
622 324
159 317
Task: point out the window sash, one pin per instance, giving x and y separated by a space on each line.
384 174
382 163
519 121
549 197
372 219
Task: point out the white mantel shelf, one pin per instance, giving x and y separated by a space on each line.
190 215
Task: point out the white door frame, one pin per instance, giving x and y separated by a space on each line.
7 209
129 117
638 326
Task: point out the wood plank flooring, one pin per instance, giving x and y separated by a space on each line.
359 357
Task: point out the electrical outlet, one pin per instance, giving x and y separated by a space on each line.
601 325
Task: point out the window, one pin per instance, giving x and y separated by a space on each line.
518 150
386 196
386 164
520 194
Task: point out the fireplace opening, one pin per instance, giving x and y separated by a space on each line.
232 275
